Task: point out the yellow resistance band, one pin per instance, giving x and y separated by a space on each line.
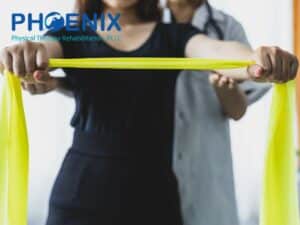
279 205
280 197
149 63
13 154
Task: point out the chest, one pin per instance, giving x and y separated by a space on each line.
130 39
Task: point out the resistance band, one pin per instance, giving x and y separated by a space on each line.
279 205
149 63
280 197
13 154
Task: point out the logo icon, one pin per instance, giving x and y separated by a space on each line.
54 21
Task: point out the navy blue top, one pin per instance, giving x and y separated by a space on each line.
132 108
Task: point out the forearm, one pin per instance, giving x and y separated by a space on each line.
201 46
233 101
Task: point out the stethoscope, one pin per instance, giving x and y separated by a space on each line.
211 22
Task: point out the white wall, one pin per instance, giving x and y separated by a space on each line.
266 22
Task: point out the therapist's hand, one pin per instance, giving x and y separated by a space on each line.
222 82
273 65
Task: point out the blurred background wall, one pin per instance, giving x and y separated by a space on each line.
266 22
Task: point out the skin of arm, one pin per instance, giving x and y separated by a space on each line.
232 99
200 46
272 64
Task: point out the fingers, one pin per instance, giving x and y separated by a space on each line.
224 81
220 81
214 78
41 84
29 87
294 66
256 72
41 76
36 89
23 59
276 65
44 78
18 61
267 61
231 84
29 58
41 57
6 59
285 77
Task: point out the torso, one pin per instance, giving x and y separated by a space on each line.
132 108
125 112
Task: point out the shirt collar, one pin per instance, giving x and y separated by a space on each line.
201 16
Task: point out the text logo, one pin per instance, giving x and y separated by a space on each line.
55 21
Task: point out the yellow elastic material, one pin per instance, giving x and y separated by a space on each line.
280 196
279 205
13 154
149 63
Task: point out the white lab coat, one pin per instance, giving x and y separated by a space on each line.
202 151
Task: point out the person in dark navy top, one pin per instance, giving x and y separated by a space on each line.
118 170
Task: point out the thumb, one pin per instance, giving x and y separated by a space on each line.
256 72
42 76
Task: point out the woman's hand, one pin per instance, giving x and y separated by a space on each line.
273 65
24 59
42 84
29 61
